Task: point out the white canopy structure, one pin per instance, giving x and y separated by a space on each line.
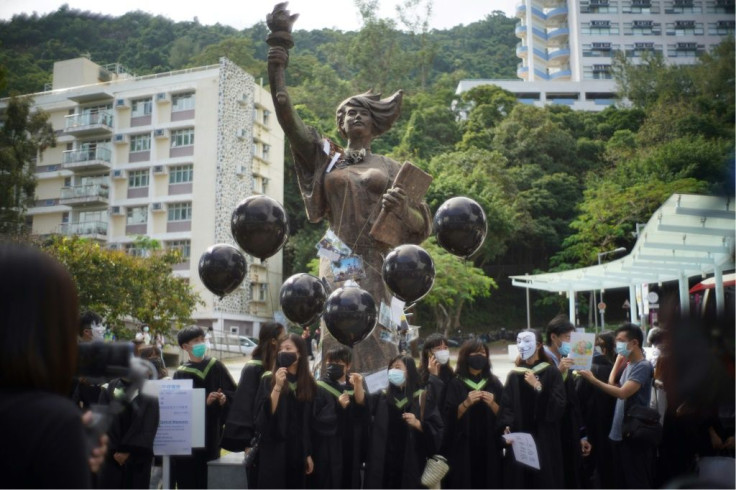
690 235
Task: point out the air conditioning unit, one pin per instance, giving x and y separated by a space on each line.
162 97
159 169
158 207
160 133
117 211
118 174
242 133
121 104
120 139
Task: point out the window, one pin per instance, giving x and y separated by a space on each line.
183 246
141 107
182 137
132 250
140 142
180 211
258 292
266 116
137 215
266 151
181 174
182 102
138 178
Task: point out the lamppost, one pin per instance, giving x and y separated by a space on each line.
603 310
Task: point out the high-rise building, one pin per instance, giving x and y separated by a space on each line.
566 46
167 156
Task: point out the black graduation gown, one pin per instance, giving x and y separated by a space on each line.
523 409
571 430
397 454
337 437
473 442
132 431
241 420
211 375
285 437
597 411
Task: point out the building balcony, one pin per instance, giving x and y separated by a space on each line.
558 57
522 71
522 51
87 159
520 10
88 124
548 4
90 229
85 195
520 31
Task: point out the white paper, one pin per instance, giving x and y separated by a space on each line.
330 255
582 346
375 382
525 449
174 434
397 310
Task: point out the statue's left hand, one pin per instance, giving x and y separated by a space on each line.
395 200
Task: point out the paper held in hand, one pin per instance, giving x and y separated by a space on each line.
415 182
525 449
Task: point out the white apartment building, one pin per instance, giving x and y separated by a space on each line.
167 156
566 46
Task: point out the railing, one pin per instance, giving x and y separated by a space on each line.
79 121
85 228
87 155
85 191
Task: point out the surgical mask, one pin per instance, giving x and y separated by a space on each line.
145 329
199 350
598 349
286 359
477 362
527 344
396 377
335 371
564 348
621 349
442 356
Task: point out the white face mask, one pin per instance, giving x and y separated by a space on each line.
98 331
442 356
527 344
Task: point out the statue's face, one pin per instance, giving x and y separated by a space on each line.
358 122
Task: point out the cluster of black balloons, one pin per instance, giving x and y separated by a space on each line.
260 227
408 271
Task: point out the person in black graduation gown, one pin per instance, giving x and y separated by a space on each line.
241 421
131 434
533 402
434 369
575 444
471 407
211 375
405 430
597 411
339 424
283 413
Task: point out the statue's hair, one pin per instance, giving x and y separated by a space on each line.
384 111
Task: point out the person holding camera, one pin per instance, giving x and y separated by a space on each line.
44 440
211 375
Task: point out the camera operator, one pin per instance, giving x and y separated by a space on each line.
44 443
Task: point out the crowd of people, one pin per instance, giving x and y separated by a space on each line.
432 425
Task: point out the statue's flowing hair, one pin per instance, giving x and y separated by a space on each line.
384 111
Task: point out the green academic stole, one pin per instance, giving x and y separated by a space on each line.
400 404
536 369
200 374
254 362
292 386
332 390
475 386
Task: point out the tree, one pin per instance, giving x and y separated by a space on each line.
239 50
24 134
122 288
456 285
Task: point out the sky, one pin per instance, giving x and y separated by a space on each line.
313 14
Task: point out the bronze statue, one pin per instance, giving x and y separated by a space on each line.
348 186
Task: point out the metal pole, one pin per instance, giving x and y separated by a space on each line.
528 310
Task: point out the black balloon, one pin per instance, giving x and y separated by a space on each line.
460 226
260 226
302 298
222 268
350 315
408 271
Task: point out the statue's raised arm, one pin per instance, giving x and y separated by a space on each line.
280 22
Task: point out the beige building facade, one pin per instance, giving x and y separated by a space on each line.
167 156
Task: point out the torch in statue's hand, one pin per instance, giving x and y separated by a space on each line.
280 22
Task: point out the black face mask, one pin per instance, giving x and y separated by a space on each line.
335 371
477 362
285 359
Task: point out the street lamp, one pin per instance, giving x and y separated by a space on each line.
601 254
